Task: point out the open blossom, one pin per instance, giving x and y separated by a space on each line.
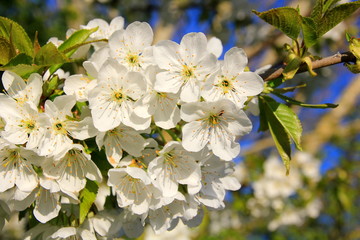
174 166
162 106
231 82
16 169
111 102
119 139
132 188
186 66
56 140
23 91
79 85
132 47
72 169
218 124
23 123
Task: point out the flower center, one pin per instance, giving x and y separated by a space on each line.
225 84
187 72
133 60
28 124
118 96
214 118
59 128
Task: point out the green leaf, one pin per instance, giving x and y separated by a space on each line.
328 4
17 36
286 19
309 31
49 55
21 58
291 68
5 51
317 12
336 15
68 47
87 197
22 70
263 121
307 105
281 138
76 38
287 119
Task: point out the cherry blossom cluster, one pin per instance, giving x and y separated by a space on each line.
167 116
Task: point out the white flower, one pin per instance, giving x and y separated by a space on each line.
23 91
23 123
16 169
104 30
111 101
131 47
56 141
132 187
186 66
215 47
76 233
79 85
161 105
166 213
119 139
173 166
47 200
71 170
231 82
217 123
215 180
97 59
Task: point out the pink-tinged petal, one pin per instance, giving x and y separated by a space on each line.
195 136
235 61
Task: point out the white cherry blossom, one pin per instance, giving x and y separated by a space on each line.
231 81
174 166
72 169
132 47
162 106
132 188
16 169
186 66
111 102
218 124
23 91
119 139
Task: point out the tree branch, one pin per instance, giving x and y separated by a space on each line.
274 73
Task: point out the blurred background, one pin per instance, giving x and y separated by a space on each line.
320 199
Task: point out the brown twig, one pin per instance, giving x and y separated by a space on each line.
274 73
